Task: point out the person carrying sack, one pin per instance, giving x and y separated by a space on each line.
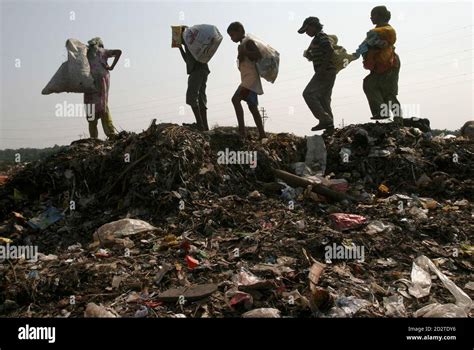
97 103
196 93
251 85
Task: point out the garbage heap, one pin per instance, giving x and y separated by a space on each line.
404 159
145 174
165 224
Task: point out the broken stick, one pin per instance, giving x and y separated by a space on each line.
296 181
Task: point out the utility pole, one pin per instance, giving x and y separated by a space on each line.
264 115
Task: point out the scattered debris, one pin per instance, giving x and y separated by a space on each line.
46 218
192 293
394 306
152 225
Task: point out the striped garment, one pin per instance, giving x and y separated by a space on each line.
320 52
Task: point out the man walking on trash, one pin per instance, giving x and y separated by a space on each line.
317 93
196 92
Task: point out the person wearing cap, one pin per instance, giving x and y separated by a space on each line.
378 52
317 93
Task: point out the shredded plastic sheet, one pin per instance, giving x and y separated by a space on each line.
343 221
421 285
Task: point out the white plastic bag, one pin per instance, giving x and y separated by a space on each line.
441 310
269 64
202 41
123 228
264 312
421 285
74 75
394 306
316 153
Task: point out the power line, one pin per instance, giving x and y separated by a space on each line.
264 115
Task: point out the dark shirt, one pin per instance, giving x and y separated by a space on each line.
321 52
191 63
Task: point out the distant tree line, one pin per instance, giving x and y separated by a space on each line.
8 156
437 132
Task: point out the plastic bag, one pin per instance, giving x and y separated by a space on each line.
74 75
343 221
99 311
316 153
347 306
269 64
418 213
340 58
421 283
439 310
394 306
245 278
121 228
202 41
377 226
262 313
46 218
288 193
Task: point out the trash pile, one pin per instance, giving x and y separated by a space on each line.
404 159
173 222
146 175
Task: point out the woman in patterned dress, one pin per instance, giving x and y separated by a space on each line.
97 103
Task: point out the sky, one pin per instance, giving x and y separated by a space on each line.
435 45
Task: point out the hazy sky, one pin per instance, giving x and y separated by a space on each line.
435 44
